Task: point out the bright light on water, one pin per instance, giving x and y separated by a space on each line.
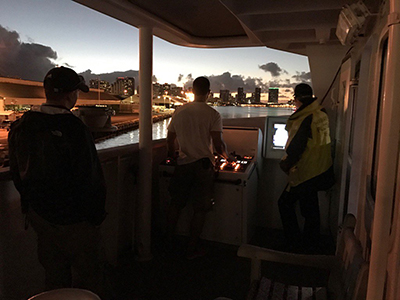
132 137
160 128
233 112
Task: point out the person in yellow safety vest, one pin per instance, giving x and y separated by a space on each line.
308 164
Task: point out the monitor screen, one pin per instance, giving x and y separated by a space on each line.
275 137
280 136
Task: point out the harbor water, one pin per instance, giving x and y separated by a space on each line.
160 128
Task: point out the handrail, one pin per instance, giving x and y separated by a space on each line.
109 153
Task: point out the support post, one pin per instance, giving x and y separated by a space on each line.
143 208
389 143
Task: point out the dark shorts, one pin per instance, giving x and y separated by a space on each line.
193 181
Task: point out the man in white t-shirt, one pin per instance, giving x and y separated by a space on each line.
197 128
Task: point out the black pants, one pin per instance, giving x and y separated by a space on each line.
69 254
307 195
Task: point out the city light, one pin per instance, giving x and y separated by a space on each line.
190 96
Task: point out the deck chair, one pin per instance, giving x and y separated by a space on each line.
346 271
66 294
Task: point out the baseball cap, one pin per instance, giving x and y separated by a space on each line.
303 89
63 80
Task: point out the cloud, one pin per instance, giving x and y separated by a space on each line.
111 77
285 83
252 82
189 81
273 68
304 77
24 60
227 81
68 65
288 84
224 81
218 82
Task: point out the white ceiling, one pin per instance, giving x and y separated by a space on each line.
288 25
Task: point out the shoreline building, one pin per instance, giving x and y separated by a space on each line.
241 96
256 97
123 86
224 95
100 84
167 89
273 95
20 95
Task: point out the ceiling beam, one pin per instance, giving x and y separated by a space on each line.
291 20
257 7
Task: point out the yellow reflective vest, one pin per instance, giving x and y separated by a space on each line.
316 158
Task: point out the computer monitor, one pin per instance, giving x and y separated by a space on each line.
275 137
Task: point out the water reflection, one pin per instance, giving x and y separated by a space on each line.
160 128
160 131
132 137
233 112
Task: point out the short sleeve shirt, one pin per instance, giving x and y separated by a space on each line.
192 124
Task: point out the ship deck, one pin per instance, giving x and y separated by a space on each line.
220 273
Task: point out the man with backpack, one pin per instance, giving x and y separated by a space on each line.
55 168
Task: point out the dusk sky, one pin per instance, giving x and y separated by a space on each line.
36 34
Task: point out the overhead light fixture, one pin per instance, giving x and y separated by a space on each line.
351 20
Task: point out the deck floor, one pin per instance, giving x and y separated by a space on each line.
220 273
